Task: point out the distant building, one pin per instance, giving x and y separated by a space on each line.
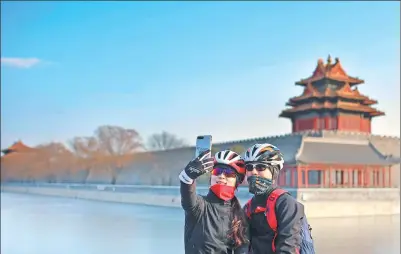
328 102
17 147
331 143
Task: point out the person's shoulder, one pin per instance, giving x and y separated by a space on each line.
287 200
286 197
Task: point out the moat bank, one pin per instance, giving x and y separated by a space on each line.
319 203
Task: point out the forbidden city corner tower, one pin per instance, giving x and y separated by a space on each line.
331 101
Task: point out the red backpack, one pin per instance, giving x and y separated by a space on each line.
270 212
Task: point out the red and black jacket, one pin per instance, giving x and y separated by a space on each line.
288 213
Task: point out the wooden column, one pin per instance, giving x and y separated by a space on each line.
284 179
278 177
323 184
278 181
339 123
293 169
329 170
350 176
364 174
372 175
366 177
299 176
390 181
306 170
342 174
383 173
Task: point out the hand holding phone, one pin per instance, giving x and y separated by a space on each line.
202 164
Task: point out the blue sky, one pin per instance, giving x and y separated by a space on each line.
220 68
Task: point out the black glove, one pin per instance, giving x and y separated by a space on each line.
197 167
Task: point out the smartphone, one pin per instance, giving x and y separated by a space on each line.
203 143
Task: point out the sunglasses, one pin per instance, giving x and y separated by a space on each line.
226 171
258 167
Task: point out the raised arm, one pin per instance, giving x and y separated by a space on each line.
190 201
289 213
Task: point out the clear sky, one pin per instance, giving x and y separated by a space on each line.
220 68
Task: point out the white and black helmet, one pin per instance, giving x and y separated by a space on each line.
265 153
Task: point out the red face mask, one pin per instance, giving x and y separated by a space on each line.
224 192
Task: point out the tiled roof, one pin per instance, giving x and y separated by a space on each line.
17 147
332 71
362 153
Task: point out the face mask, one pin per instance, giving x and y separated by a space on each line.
259 185
224 192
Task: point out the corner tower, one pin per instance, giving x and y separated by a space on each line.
331 101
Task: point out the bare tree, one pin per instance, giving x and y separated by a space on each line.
118 145
85 147
52 160
115 140
111 147
165 141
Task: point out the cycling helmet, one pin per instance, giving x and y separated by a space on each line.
265 153
233 160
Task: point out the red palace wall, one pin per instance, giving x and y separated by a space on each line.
340 122
354 123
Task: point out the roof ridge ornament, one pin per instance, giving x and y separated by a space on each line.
329 60
336 60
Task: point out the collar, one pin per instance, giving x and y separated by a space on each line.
263 197
216 200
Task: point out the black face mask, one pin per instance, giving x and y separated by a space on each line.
259 185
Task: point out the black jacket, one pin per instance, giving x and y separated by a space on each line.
289 213
207 223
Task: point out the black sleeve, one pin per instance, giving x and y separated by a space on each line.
190 201
289 213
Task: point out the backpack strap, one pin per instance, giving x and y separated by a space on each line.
271 212
248 209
